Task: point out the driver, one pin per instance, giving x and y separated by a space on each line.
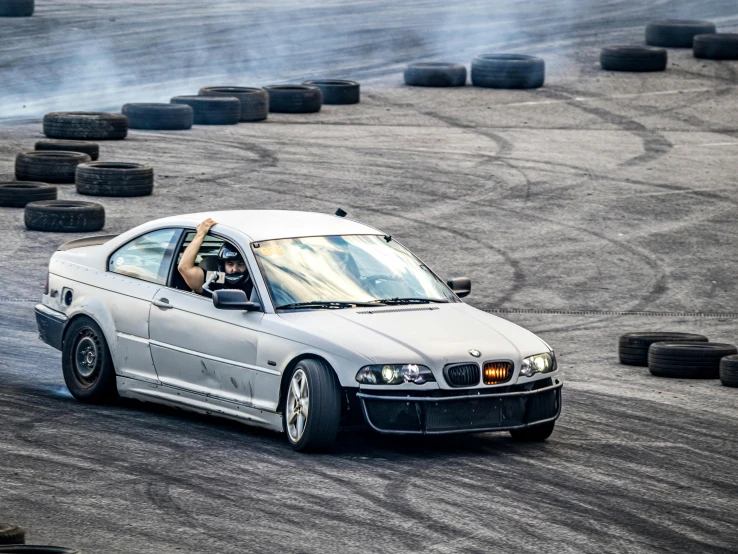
230 262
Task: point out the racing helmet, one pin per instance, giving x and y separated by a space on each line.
229 253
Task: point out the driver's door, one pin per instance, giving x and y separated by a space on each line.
202 349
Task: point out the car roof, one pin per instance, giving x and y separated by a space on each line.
262 225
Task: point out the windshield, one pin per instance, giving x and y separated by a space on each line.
352 268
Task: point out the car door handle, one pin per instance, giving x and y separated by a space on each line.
162 303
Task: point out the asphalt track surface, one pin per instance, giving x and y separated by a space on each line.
601 204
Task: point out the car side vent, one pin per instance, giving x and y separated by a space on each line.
395 310
462 375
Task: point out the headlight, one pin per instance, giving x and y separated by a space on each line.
394 374
540 363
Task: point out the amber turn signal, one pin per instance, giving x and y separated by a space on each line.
497 372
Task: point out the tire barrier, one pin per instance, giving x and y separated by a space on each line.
508 71
17 8
729 371
86 125
688 360
254 101
633 58
337 91
435 74
633 347
160 117
92 149
717 46
294 98
676 33
16 194
114 179
11 534
212 110
48 166
65 216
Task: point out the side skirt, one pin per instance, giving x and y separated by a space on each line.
196 402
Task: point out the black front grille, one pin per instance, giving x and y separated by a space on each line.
462 375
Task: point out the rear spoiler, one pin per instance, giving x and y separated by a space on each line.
87 241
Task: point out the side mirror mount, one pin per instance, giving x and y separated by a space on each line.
233 299
460 285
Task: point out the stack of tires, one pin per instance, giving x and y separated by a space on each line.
680 355
13 540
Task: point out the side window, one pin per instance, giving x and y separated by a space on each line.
210 247
147 257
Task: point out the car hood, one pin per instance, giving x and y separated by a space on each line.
429 334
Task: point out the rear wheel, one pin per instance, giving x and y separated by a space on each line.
536 433
87 364
312 411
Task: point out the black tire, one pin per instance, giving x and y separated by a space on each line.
537 433
115 179
86 125
92 149
87 364
324 412
16 8
729 371
716 46
509 71
633 58
676 33
435 74
11 534
254 101
336 91
160 117
65 216
16 194
48 166
212 110
294 98
36 549
688 360
633 347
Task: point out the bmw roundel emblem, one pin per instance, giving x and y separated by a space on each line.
475 353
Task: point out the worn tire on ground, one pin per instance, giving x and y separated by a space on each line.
294 98
633 347
324 413
508 71
48 166
633 58
688 360
676 33
254 101
336 91
435 74
729 371
716 46
160 117
11 534
86 125
212 110
16 8
115 179
65 216
16 194
92 149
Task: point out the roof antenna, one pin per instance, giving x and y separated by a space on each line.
341 213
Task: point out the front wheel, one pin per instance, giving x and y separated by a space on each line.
537 433
86 363
312 409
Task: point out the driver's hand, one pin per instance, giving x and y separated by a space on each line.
205 226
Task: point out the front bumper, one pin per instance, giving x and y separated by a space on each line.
470 413
50 325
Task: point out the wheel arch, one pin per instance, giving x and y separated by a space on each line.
80 315
287 373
